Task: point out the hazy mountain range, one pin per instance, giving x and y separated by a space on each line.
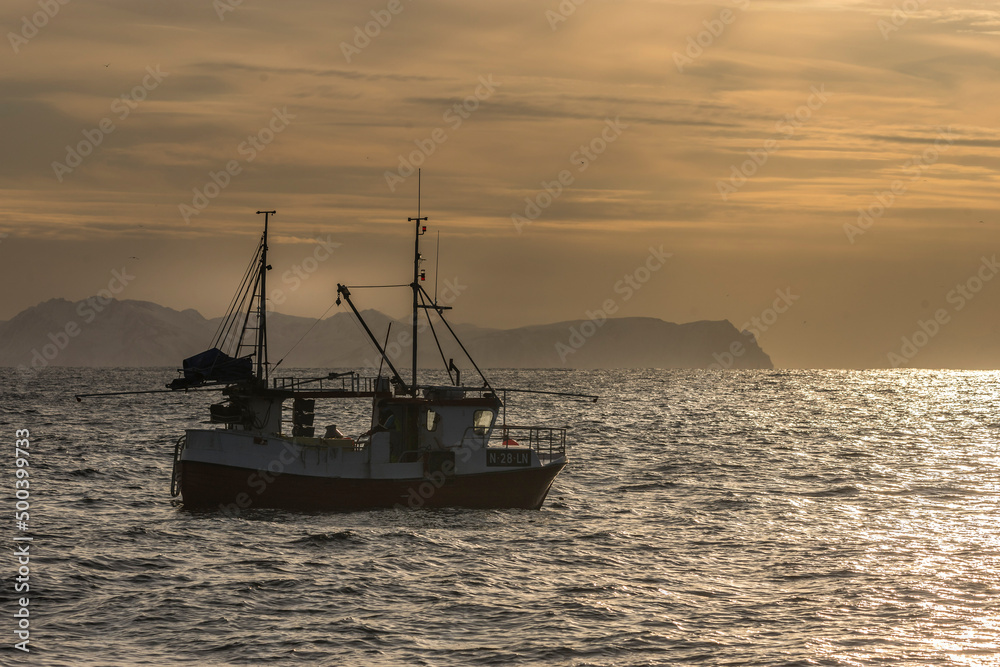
143 334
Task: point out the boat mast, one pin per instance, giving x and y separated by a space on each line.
262 302
419 230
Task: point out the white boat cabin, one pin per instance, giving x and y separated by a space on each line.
445 419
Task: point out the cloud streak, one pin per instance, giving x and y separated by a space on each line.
783 225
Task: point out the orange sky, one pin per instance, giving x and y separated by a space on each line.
742 137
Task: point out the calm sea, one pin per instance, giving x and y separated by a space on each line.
717 518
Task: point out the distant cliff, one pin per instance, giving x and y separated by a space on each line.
140 333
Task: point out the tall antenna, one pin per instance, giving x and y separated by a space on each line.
419 231
262 302
437 263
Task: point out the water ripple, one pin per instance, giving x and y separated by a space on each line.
753 517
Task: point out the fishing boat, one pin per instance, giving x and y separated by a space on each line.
428 445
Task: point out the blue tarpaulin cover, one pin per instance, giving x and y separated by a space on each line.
216 366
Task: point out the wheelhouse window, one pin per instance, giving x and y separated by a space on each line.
481 421
433 419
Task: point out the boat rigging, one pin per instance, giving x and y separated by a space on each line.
428 445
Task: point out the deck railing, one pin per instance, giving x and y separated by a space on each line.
347 382
548 443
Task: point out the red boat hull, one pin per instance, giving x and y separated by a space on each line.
212 486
